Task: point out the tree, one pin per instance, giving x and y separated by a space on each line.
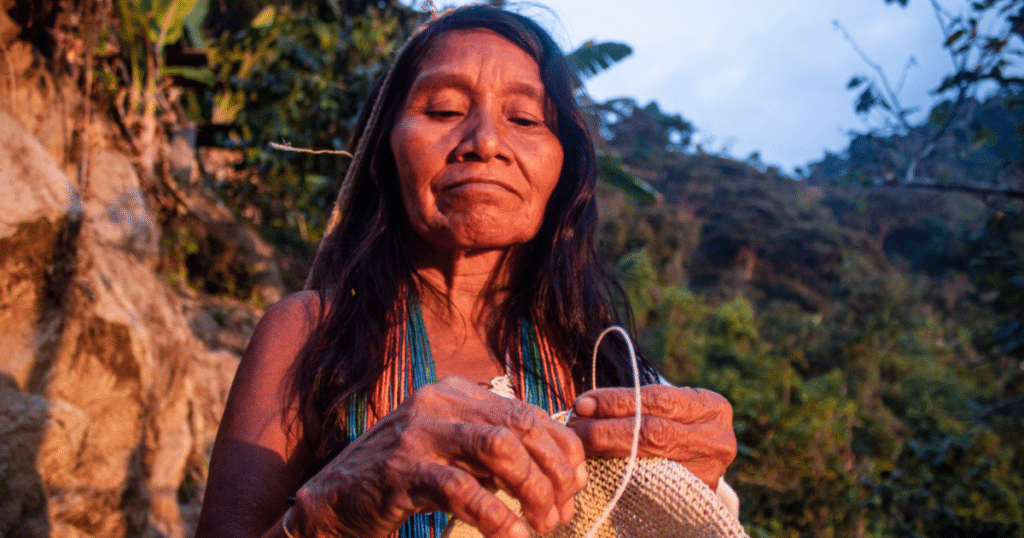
984 43
295 76
642 134
983 57
589 59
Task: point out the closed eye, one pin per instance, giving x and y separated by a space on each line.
523 121
444 114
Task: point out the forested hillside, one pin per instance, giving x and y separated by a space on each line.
868 330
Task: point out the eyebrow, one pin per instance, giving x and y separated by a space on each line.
434 81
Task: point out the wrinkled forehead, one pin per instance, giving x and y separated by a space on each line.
481 54
461 57
464 41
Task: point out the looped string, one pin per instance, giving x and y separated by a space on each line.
631 464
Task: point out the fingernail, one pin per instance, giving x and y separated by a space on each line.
520 530
552 519
567 511
585 406
581 476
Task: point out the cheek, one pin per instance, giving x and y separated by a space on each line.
403 148
549 171
411 167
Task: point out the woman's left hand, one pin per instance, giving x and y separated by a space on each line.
690 426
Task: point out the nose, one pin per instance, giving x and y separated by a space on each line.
483 140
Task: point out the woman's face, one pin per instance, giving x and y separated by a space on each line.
476 156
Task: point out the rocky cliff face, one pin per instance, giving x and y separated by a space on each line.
108 400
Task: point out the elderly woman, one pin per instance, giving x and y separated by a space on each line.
460 259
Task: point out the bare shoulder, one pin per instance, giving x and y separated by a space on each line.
305 302
259 392
259 456
284 329
298 311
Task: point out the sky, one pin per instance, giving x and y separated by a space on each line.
755 75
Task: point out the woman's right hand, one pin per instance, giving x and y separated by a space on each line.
441 450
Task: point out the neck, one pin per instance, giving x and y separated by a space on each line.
460 284
457 293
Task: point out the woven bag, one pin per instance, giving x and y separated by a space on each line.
662 499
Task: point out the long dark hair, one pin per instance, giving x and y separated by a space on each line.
555 280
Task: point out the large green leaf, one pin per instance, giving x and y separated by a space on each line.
592 58
202 75
194 22
610 170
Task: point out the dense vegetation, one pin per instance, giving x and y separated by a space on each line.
869 333
857 345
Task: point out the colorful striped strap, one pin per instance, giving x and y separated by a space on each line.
542 380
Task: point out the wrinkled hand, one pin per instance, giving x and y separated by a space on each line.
440 450
690 426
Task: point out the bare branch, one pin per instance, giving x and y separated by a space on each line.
911 62
945 24
897 110
912 167
289 147
960 187
1003 406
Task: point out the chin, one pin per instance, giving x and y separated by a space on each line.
479 229
489 235
487 240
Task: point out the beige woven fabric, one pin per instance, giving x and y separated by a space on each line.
663 500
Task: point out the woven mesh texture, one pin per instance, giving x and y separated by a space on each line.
663 500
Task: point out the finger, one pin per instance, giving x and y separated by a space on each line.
703 449
497 452
614 436
680 404
555 448
442 487
556 451
571 447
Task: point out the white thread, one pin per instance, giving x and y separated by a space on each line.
631 465
284 523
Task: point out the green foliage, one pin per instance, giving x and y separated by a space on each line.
591 58
843 326
932 376
997 263
640 135
134 75
611 171
297 79
857 423
952 480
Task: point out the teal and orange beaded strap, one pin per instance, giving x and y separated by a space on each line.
542 381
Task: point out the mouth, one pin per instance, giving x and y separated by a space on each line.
475 183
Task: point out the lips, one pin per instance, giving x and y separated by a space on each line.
483 182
